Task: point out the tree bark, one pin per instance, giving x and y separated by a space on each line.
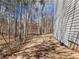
25 30
41 29
20 38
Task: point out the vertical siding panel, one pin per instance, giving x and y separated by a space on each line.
67 22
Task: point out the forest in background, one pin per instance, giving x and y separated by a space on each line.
18 23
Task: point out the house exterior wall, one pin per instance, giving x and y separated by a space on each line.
66 25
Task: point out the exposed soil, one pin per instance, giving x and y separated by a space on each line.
43 47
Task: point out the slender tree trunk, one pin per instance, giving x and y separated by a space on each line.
20 38
25 24
45 25
38 27
29 14
9 27
41 29
16 15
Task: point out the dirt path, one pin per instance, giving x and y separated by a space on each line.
44 47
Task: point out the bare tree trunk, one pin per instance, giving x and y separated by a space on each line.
25 24
41 29
38 27
16 24
29 14
9 27
20 38
45 26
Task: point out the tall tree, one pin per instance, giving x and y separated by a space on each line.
8 6
42 2
31 13
20 1
16 17
25 18
30 3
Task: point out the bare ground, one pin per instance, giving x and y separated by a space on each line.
44 47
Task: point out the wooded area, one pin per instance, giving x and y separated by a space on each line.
17 28
39 29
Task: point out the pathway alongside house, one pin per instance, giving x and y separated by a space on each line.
44 47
